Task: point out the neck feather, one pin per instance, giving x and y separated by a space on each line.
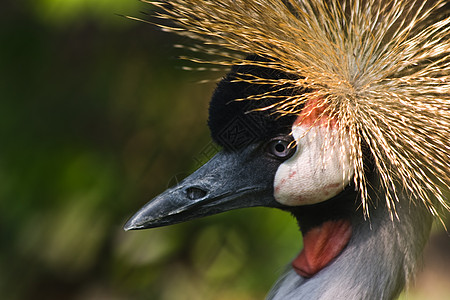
380 259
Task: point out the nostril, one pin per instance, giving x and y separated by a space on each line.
194 193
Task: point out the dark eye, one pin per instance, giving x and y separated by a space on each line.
281 147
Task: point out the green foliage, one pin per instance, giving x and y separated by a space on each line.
63 13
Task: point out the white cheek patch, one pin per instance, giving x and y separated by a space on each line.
319 170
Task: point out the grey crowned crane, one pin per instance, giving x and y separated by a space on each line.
339 116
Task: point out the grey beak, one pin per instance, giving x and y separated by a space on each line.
230 180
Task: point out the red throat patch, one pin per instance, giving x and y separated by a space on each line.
321 245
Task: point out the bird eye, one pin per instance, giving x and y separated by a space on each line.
281 147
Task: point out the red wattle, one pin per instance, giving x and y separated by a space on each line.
321 245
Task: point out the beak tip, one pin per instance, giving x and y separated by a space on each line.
127 227
131 225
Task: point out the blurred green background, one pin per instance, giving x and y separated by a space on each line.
97 117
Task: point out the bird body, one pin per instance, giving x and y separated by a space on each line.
334 111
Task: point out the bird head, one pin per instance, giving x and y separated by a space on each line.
329 84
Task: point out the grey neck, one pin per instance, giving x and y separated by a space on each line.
380 259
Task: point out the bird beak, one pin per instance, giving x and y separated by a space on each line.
230 180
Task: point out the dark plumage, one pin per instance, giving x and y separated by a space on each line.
236 124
